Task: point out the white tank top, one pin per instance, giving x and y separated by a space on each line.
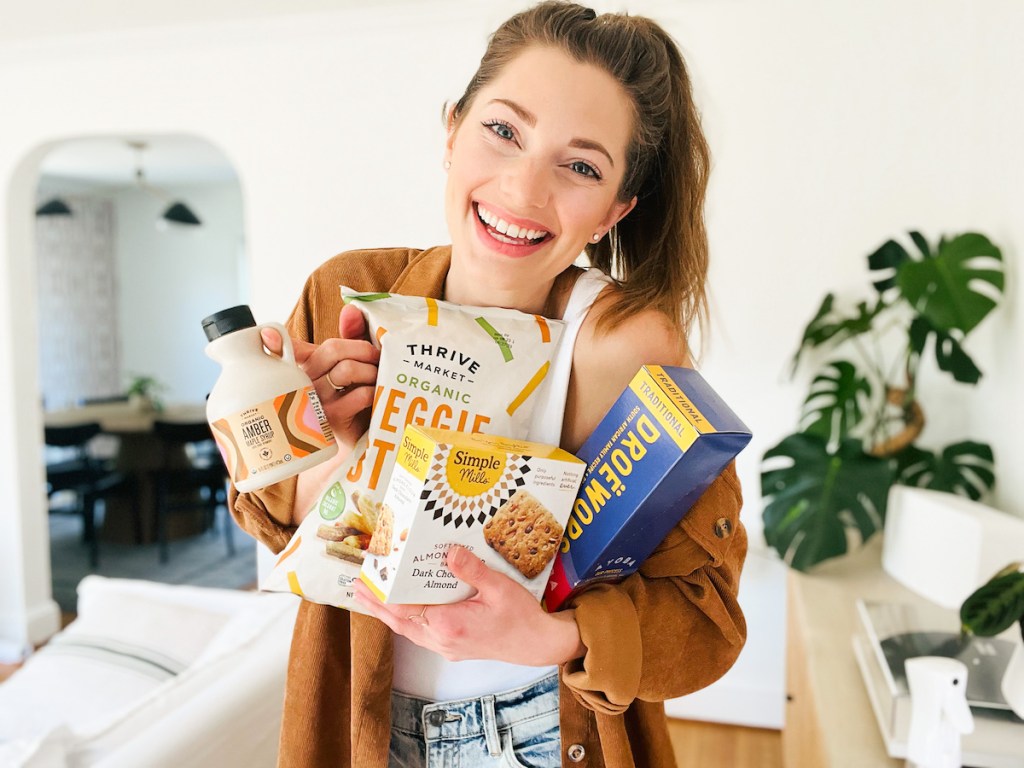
425 674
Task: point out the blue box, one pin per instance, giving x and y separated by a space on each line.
659 447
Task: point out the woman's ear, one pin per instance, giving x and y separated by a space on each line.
451 126
617 213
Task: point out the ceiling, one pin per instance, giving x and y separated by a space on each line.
110 162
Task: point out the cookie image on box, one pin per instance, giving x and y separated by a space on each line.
525 533
382 539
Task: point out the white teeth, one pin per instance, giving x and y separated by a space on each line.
513 232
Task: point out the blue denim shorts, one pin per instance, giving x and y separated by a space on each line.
514 729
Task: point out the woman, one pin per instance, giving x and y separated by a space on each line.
577 133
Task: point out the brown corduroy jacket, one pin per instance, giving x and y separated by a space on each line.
669 629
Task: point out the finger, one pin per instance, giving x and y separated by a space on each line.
272 340
352 323
345 405
303 350
469 568
393 614
349 374
376 611
332 352
372 604
275 345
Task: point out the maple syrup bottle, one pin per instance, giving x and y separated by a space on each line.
264 411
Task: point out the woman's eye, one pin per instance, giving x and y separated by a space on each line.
502 130
584 169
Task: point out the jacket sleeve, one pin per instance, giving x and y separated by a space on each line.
266 513
675 625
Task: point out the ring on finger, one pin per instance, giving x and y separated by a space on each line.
419 618
337 387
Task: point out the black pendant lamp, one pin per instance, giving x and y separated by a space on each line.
179 213
54 207
176 212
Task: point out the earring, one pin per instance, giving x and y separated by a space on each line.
597 236
447 164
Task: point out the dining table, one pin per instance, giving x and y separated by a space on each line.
139 453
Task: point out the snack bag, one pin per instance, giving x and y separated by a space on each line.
442 365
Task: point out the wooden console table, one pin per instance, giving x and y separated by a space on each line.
829 719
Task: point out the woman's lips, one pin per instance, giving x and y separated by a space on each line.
521 233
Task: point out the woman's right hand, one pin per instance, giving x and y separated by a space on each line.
351 362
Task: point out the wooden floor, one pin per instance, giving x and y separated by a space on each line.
712 745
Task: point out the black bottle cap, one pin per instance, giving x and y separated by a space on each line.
228 320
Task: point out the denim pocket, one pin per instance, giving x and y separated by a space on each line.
535 744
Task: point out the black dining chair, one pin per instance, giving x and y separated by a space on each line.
90 479
190 477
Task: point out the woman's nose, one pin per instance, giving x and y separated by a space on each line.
526 184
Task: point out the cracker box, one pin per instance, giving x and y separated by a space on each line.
505 500
664 441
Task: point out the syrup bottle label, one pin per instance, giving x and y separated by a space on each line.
273 433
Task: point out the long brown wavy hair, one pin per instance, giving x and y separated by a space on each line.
659 252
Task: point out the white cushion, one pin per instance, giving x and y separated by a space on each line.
249 654
121 647
137 652
48 751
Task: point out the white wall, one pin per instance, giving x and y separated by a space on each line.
162 279
834 127
170 279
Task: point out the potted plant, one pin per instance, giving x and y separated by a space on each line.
992 608
143 392
826 485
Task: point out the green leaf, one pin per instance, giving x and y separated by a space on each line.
995 605
836 402
952 358
821 498
949 354
921 243
815 331
828 326
920 330
945 286
966 468
890 256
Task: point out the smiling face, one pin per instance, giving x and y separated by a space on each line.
536 164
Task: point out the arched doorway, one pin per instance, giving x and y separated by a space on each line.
123 279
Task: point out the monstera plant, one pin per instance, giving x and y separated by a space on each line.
826 486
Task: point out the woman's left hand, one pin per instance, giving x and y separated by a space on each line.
502 621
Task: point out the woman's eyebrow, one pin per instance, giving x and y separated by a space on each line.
524 114
531 120
588 144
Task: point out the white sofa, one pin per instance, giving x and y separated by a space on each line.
156 675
